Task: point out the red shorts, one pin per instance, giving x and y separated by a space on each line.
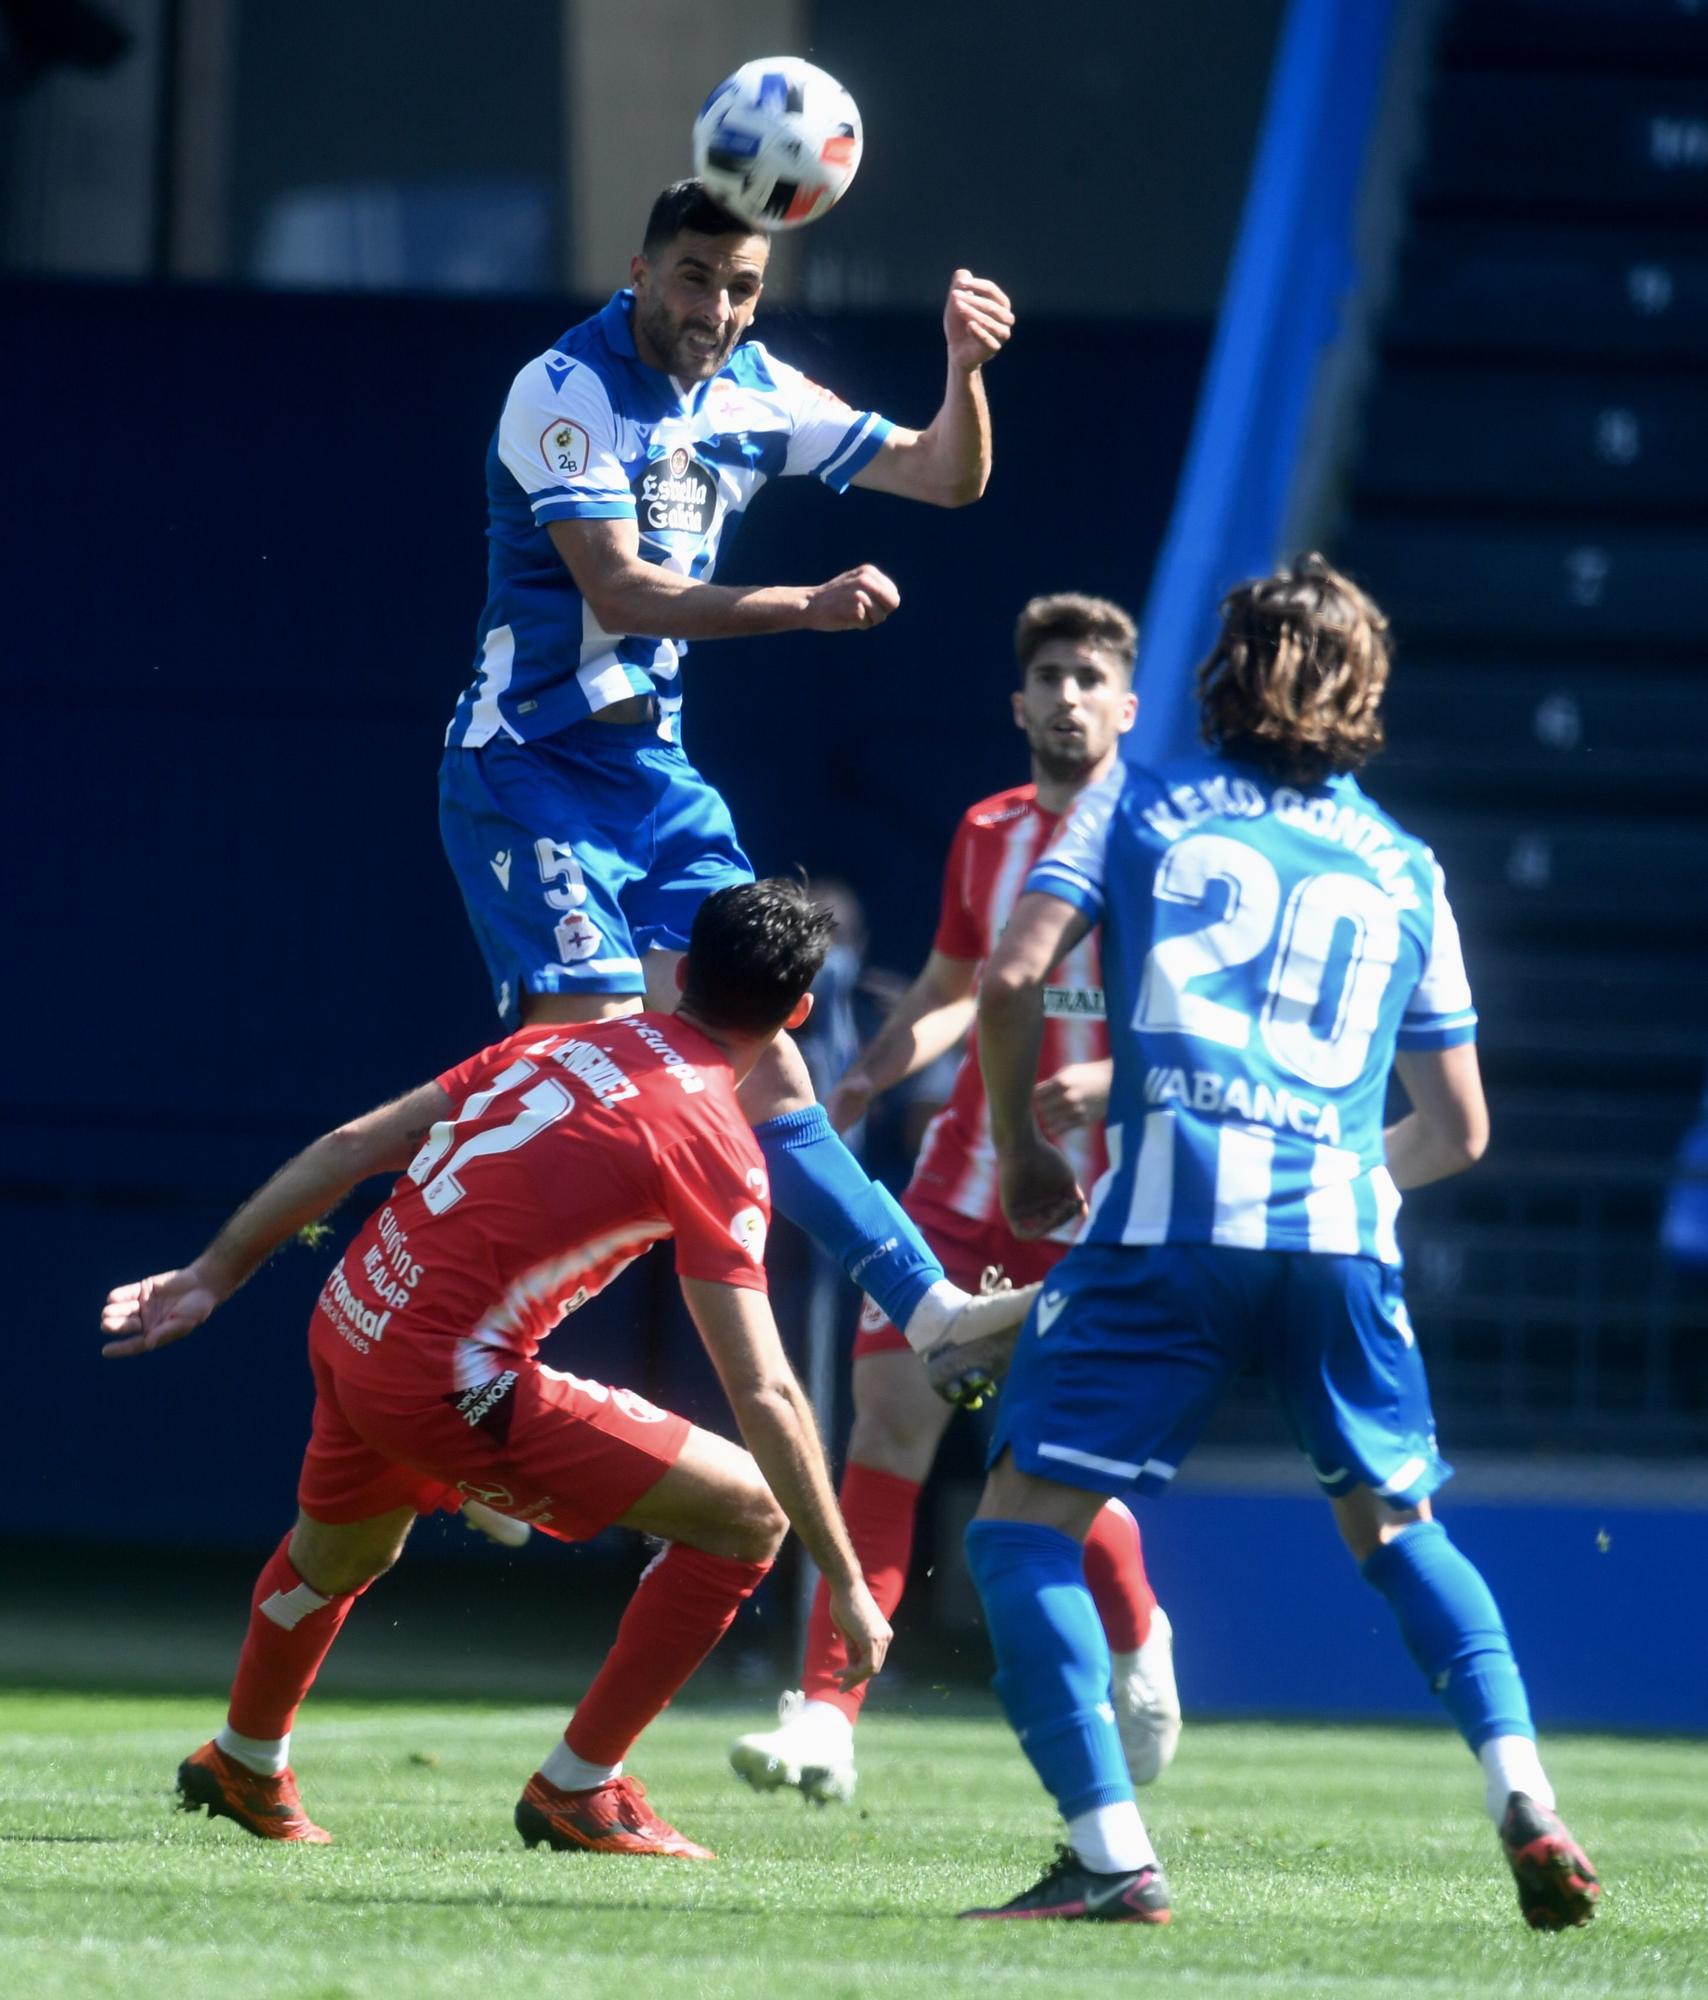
568 1455
965 1248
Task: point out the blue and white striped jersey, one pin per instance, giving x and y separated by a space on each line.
591 433
1265 951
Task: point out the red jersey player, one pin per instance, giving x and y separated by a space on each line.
1074 703
529 1176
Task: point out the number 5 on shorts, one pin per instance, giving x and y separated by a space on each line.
556 861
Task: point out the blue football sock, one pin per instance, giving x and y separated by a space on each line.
1052 1660
1453 1630
820 1186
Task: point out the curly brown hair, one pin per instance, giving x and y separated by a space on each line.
1295 679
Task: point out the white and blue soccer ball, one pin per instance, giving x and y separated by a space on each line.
778 142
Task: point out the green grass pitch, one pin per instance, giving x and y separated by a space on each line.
1305 1862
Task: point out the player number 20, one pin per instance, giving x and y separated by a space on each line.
441 1186
1170 997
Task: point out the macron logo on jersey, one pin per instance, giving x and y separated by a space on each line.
557 370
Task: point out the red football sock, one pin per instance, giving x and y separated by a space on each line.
291 1630
1115 1576
684 1605
879 1508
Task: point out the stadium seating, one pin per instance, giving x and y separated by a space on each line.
1593 438
1528 504
1495 286
1546 727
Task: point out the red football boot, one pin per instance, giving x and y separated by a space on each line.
613 1818
266 1807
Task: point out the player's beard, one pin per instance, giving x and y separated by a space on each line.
1059 768
1058 763
667 336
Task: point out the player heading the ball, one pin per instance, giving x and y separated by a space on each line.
582 838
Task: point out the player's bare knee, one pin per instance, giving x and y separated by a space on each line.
888 1441
337 1558
1366 1520
1013 1495
898 1420
758 1523
770 1525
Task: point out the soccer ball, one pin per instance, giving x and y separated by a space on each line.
778 142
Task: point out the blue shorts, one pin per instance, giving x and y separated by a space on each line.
579 853
1126 1353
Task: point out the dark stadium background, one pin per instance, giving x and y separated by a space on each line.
243 561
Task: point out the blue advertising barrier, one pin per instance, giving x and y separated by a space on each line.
1598 1589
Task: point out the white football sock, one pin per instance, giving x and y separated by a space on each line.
1111 1839
1511 1764
929 1320
570 1773
255 1753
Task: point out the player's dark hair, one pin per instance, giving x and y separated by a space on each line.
688 205
1081 620
1296 677
754 950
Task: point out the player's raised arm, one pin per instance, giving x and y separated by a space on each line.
929 1019
777 1426
948 463
1039 1192
154 1312
626 594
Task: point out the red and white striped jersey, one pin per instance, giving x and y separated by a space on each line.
994 848
568 1152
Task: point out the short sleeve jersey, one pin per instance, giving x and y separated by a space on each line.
1266 950
568 1152
591 433
994 849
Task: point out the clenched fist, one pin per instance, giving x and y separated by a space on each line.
855 601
